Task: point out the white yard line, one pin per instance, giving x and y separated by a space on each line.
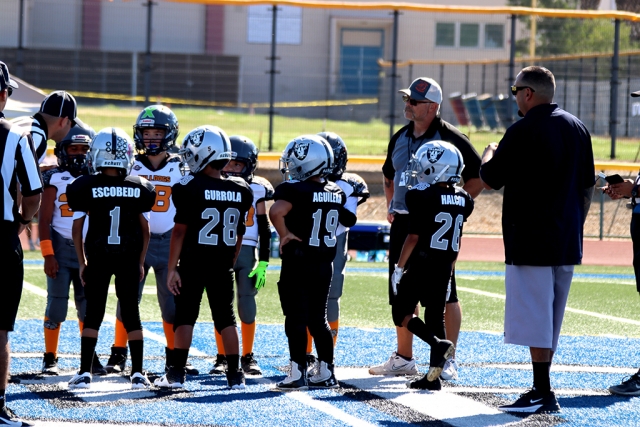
567 368
328 409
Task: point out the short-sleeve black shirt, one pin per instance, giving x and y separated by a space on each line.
113 205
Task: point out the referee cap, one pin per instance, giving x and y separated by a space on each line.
60 104
635 94
5 78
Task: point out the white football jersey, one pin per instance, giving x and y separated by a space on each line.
163 179
351 204
262 191
62 219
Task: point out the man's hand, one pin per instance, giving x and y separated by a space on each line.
141 272
395 278
488 152
173 281
620 190
287 238
81 269
261 272
51 266
390 218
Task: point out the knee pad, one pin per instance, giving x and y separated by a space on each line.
50 324
333 309
247 308
56 309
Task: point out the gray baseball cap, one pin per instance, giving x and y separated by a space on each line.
424 89
5 78
635 94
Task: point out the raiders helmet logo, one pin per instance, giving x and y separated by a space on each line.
434 154
301 150
196 138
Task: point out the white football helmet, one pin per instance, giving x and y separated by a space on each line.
204 145
111 148
436 161
306 156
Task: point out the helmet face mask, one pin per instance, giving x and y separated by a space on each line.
75 163
245 152
434 162
156 117
203 145
111 148
340 155
306 156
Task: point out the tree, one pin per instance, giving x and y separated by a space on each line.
631 6
589 4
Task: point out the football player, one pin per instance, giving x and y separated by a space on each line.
155 133
251 267
206 240
437 210
56 243
306 214
118 207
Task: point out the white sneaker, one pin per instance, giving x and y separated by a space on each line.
80 380
450 370
396 365
140 380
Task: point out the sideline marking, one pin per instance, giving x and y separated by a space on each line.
572 310
111 319
566 368
328 409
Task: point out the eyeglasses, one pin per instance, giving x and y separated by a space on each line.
413 102
515 89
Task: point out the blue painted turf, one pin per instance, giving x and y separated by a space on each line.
208 402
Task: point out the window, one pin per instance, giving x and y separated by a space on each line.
469 35
493 35
445 34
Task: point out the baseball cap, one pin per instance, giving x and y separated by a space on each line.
635 94
5 78
424 89
60 104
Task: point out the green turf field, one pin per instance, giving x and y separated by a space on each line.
364 303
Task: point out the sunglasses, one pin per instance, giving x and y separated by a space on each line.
9 91
413 102
515 89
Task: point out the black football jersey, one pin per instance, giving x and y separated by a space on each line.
214 211
317 209
436 215
113 205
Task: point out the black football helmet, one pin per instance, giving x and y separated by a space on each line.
245 151
156 117
339 154
76 165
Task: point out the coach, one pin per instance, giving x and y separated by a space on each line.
422 108
545 164
19 167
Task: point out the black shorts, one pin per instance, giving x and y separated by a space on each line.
304 288
13 275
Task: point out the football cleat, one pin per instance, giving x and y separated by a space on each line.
628 387
311 365
533 402
220 366
117 360
450 370
323 377
396 365
8 418
140 380
235 380
172 379
50 364
190 369
440 352
424 384
96 366
296 380
249 365
80 380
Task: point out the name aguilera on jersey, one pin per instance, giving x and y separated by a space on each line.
327 197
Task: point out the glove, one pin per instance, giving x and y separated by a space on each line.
261 272
395 278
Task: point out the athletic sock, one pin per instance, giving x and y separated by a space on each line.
87 349
248 334
219 342
418 328
334 330
51 338
2 399
309 342
169 334
81 326
180 356
137 355
541 377
120 337
233 362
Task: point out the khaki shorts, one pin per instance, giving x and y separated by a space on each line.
535 304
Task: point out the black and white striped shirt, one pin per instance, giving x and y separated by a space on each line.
39 133
18 166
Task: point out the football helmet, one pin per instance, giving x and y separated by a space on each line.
156 117
306 156
111 148
75 164
204 145
339 154
436 161
245 151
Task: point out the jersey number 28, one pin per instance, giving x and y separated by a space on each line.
229 221
437 242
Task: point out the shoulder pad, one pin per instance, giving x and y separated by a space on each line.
46 176
174 158
267 186
185 179
360 188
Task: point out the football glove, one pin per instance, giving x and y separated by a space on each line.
395 278
261 272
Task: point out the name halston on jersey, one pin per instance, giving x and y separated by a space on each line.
448 199
327 197
98 192
223 196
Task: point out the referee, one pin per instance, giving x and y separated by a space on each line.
19 168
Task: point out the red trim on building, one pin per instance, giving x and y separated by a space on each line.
91 14
214 29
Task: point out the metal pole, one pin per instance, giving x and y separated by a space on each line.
20 53
394 66
512 66
595 93
272 71
410 74
441 80
626 127
484 75
466 78
613 110
566 84
147 59
580 87
496 79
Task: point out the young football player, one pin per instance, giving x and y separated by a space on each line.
437 210
155 133
56 243
306 214
206 240
251 266
116 244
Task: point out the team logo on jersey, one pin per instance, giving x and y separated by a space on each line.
434 154
185 179
137 167
196 138
301 150
421 186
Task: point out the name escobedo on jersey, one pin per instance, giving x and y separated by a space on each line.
327 197
115 192
448 199
223 196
